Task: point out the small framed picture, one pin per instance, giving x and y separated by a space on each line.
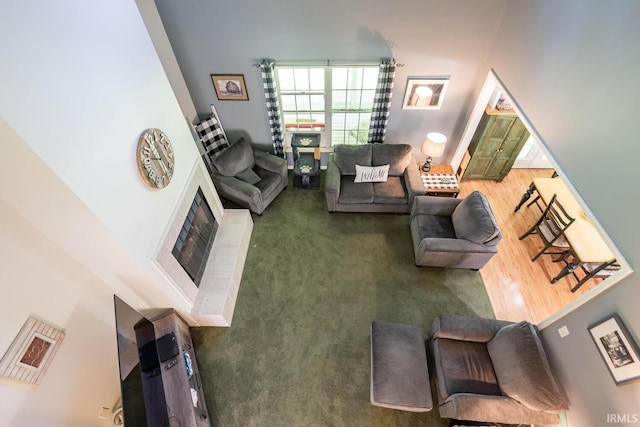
230 87
618 350
424 94
31 352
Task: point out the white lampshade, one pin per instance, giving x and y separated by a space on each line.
423 91
433 145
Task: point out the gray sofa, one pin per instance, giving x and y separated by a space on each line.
456 233
493 371
248 177
395 195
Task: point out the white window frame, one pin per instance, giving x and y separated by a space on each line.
326 132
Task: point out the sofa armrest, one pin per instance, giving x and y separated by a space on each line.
413 181
332 184
270 162
440 244
239 192
498 409
433 205
462 328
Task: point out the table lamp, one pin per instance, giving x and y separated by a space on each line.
433 146
422 92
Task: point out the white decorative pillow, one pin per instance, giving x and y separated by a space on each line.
371 173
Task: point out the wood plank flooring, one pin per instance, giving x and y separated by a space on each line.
518 288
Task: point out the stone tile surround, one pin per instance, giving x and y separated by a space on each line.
214 301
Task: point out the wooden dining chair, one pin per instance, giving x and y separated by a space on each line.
585 271
550 227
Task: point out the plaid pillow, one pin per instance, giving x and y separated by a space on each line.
211 135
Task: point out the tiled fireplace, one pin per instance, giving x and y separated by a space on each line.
214 298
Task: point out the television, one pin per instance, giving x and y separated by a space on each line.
137 358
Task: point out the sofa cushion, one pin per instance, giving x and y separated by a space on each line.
234 159
371 173
348 156
352 192
463 367
397 156
269 182
473 219
522 368
434 226
391 191
248 176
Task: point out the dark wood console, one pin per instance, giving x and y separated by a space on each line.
171 383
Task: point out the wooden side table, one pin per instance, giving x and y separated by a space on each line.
440 181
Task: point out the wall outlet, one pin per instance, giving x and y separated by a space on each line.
563 331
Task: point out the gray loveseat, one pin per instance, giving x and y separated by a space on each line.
493 371
456 233
395 195
248 177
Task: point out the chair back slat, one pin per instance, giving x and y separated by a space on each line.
556 218
558 214
551 227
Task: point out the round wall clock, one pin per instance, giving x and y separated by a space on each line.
155 158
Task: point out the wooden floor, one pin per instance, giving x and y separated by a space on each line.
518 288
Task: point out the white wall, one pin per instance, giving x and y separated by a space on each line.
572 66
80 82
39 279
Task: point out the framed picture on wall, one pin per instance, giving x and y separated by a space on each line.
230 87
618 350
424 94
31 352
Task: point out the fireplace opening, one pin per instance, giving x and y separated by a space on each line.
196 238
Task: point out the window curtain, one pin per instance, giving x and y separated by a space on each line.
382 102
273 108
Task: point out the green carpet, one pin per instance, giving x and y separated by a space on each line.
297 353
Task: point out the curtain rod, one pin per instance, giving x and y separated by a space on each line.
327 63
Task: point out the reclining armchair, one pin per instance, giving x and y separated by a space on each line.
458 233
248 177
493 371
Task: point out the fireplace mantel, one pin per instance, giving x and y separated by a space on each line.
213 302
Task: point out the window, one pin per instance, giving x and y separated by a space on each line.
302 97
336 101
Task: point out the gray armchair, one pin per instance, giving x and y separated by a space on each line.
248 177
493 371
458 233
